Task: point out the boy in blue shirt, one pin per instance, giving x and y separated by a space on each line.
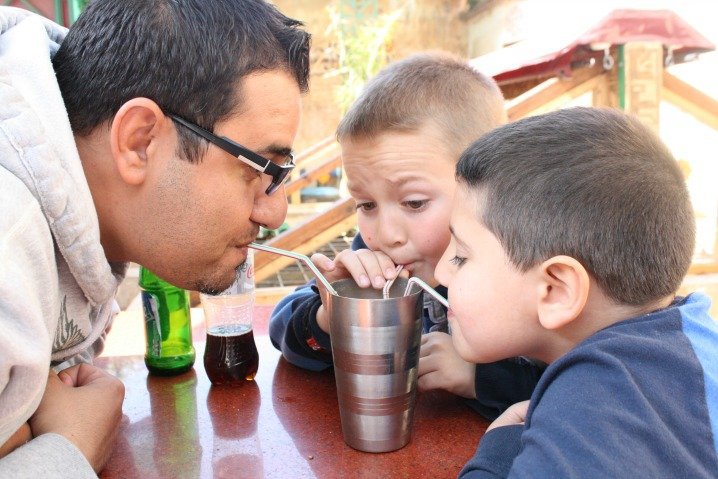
574 229
400 142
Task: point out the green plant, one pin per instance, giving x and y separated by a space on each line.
362 45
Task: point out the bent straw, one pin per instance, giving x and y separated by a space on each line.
414 280
301 257
387 285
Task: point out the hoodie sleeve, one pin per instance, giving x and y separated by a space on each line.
28 293
28 317
60 458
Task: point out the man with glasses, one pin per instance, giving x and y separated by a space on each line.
155 131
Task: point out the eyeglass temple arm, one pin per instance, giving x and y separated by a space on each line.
223 143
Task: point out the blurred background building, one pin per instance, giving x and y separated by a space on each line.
656 62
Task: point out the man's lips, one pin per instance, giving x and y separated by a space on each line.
244 243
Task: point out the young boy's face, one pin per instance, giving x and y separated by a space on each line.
403 184
490 313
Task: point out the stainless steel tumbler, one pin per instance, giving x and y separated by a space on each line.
375 344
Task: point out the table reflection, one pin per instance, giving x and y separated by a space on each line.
236 446
284 424
175 430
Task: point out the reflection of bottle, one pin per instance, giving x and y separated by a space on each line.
177 451
230 355
236 451
167 326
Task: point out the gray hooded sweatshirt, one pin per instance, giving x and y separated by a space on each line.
56 285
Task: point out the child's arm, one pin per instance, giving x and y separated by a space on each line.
515 415
498 451
299 325
293 329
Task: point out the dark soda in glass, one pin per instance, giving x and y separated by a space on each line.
230 355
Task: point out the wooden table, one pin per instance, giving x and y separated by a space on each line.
285 424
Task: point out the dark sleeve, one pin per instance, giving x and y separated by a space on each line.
293 329
495 455
358 243
503 383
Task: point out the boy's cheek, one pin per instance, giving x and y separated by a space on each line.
461 345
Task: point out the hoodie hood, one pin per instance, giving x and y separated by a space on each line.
34 120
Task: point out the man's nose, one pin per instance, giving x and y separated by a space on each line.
270 210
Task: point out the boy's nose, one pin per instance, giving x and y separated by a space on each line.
269 210
391 230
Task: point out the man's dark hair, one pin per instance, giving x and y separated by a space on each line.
188 56
593 184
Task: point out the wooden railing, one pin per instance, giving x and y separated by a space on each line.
554 92
548 95
306 237
312 163
689 99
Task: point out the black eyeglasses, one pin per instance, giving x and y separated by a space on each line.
278 173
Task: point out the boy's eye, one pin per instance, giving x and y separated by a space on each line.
457 260
416 204
368 206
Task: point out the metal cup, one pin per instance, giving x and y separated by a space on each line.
375 344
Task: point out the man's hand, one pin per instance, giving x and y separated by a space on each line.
84 404
441 367
19 437
368 268
515 414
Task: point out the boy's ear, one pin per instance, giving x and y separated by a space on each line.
134 131
563 291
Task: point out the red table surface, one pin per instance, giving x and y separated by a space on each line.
285 424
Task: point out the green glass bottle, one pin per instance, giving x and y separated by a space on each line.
168 329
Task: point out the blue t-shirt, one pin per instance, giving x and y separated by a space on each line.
637 399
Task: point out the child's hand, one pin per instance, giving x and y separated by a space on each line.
19 437
515 414
83 404
440 367
368 268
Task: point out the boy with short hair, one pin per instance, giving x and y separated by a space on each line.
400 142
571 233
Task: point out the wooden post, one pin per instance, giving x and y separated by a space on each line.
643 79
605 92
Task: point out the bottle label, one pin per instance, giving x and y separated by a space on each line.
153 326
244 282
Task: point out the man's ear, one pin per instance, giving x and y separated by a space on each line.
563 291
133 135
